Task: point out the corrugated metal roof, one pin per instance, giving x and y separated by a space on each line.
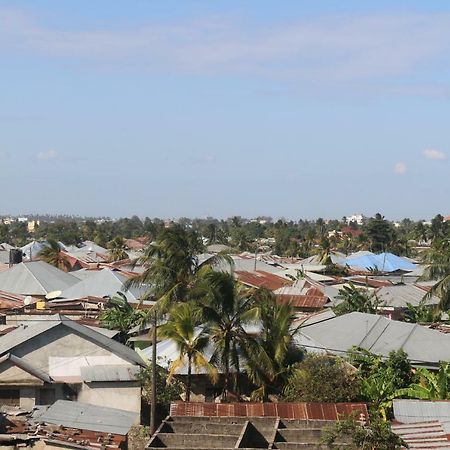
19 362
103 283
109 373
301 411
23 334
423 435
378 335
88 417
259 278
35 278
411 411
398 296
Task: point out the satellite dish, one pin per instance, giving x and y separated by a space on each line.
27 300
52 295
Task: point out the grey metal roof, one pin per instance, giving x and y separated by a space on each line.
413 411
19 362
22 334
35 278
104 283
397 296
377 334
423 435
109 373
87 417
89 246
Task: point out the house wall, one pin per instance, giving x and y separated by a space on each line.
10 373
121 394
61 352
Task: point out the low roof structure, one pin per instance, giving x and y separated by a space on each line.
22 334
84 416
103 283
398 296
35 278
377 334
384 262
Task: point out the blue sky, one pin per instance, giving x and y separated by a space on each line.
178 108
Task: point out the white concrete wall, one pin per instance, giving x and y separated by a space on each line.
121 395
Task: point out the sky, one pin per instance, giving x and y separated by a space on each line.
295 109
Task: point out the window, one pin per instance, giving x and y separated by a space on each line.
47 396
10 397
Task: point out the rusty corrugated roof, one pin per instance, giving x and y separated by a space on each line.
300 411
259 278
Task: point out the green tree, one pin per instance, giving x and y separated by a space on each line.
380 233
52 254
272 355
121 316
183 328
322 379
355 299
375 434
431 385
227 307
437 261
117 249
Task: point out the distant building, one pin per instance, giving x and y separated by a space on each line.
358 218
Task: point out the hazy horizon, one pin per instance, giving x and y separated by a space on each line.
197 108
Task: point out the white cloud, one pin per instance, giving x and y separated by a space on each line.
49 154
432 153
321 49
400 168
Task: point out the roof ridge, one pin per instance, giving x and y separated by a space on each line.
32 274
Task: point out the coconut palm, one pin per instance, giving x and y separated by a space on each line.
170 267
52 254
271 356
227 307
117 249
437 260
183 328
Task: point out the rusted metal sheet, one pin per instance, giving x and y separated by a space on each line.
259 278
302 411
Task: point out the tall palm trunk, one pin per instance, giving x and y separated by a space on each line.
226 386
188 381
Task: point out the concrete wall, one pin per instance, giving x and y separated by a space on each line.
12 374
61 352
122 395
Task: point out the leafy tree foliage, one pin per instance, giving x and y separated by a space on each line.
373 435
120 315
271 356
183 327
354 299
322 379
380 233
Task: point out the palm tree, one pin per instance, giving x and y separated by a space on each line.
432 385
355 299
120 315
170 265
271 356
117 249
183 328
437 260
52 254
227 307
